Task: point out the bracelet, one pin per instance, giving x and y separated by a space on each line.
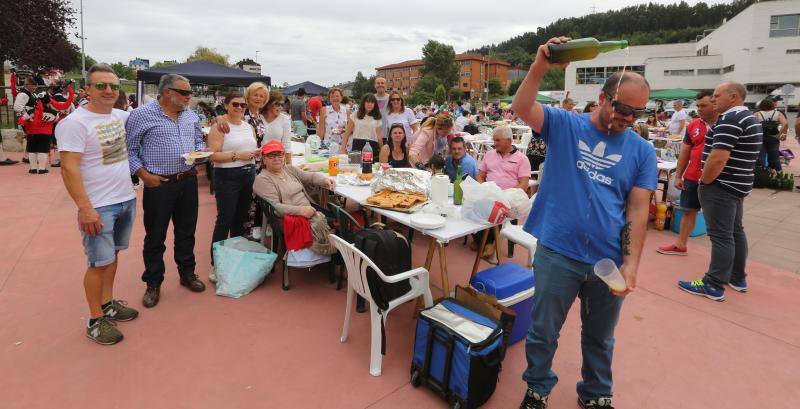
233 157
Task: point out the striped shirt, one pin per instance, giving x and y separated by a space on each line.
156 141
737 131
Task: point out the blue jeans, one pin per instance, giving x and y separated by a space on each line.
117 222
559 280
233 189
770 153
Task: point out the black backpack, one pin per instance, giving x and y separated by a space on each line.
770 127
471 129
391 252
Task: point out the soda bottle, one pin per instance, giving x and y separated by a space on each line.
582 49
458 194
661 215
366 158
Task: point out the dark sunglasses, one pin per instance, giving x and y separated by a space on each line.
183 92
279 104
242 105
625 110
101 86
395 99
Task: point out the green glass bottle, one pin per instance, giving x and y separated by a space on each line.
582 49
458 194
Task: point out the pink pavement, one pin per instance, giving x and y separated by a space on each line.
277 349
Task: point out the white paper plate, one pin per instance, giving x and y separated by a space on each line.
202 156
427 221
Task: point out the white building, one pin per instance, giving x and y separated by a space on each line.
759 47
252 66
139 64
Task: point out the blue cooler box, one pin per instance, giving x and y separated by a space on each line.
699 226
513 285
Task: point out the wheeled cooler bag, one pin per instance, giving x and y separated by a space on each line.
457 353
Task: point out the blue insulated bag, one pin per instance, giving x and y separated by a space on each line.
457 353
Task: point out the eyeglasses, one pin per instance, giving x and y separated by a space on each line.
395 99
275 155
625 110
183 92
279 104
101 86
242 105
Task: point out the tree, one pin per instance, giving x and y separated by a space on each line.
455 93
428 83
123 71
362 85
420 98
440 60
440 95
35 34
513 86
208 54
553 80
162 64
495 87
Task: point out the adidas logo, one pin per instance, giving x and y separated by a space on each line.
596 158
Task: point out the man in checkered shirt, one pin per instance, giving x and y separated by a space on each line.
158 133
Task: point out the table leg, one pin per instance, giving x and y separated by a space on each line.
496 230
443 269
484 236
428 262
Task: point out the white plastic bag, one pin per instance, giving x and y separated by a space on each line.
519 203
483 202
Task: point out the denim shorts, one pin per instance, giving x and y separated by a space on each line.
117 222
690 201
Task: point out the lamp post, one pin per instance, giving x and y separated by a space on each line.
83 49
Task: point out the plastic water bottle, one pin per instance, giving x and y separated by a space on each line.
607 270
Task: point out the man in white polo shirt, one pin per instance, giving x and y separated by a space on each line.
95 170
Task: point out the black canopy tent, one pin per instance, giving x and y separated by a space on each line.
200 72
310 88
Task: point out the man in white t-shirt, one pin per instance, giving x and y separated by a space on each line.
96 173
678 121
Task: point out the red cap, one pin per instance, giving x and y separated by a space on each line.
272 146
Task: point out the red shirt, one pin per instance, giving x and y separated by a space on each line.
314 106
696 138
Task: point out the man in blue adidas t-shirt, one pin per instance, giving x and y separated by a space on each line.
594 205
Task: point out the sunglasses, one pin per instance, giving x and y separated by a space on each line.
242 105
183 92
279 104
625 110
101 86
395 99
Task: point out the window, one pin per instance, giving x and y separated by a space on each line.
678 73
598 75
703 51
793 51
465 84
708 71
784 26
728 69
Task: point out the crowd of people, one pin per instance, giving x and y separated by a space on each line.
596 208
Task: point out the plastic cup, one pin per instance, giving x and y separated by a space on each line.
607 270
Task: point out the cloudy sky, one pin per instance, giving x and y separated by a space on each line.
325 42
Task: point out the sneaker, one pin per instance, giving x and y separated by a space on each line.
672 250
8 162
32 171
738 285
595 403
43 171
118 310
533 400
104 332
212 276
698 287
55 165
25 160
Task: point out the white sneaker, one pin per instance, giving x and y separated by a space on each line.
212 276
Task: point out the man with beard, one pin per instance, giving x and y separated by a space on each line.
596 208
159 132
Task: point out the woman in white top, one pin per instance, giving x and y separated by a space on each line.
397 113
278 126
333 118
364 126
234 170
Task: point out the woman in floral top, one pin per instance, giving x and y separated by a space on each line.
256 97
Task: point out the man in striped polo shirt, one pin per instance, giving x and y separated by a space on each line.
730 153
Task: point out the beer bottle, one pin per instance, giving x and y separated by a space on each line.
582 49
458 193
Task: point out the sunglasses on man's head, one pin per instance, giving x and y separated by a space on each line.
242 105
101 86
625 110
184 92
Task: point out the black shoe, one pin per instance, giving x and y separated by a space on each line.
8 162
532 400
151 296
598 403
43 171
193 283
32 171
25 160
55 165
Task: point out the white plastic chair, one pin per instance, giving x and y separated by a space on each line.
357 263
515 234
